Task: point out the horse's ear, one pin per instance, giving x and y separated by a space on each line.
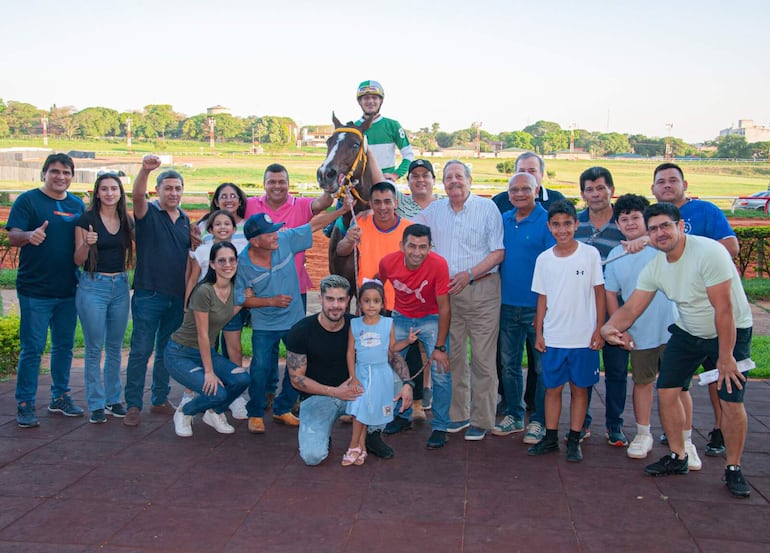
336 121
366 124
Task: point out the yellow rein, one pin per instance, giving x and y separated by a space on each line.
360 158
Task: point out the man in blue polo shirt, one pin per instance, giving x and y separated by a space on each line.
42 226
266 268
525 236
157 306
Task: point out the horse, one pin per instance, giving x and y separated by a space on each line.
345 167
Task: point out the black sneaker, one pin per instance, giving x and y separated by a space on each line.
669 464
716 445
65 406
116 410
97 416
25 415
398 424
574 454
735 481
437 439
377 447
544 447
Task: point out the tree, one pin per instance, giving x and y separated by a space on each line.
647 146
516 139
444 139
158 121
553 141
734 146
506 167
61 121
537 130
97 122
21 118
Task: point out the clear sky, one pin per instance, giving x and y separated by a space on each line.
627 66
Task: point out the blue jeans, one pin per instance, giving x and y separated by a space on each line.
264 346
515 328
37 315
441 382
615 381
316 419
156 316
184 364
102 304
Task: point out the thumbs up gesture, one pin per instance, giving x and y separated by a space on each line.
37 236
91 236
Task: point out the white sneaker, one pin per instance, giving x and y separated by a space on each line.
182 423
218 422
238 408
535 433
186 399
693 461
640 446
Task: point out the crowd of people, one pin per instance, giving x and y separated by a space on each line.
451 292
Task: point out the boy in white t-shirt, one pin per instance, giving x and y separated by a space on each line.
649 334
570 311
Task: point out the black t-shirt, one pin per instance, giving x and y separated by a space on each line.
110 248
326 351
162 247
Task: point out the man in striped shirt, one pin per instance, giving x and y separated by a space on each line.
468 232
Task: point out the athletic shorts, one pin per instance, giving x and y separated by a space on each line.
685 353
577 365
645 364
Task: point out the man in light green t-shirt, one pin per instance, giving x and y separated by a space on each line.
698 275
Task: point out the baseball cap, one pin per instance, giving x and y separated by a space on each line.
421 163
261 223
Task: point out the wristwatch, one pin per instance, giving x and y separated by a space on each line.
440 348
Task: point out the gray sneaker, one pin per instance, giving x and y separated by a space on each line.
535 433
65 406
508 425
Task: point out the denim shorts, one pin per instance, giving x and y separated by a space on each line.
685 352
241 319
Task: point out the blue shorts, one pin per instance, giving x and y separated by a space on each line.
577 365
241 319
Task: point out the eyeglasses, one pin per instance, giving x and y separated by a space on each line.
668 225
224 261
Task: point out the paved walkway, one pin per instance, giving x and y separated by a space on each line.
70 486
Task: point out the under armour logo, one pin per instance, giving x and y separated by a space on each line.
401 287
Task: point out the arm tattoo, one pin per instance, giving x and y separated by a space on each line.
399 365
296 363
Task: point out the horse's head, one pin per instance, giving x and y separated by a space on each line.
346 155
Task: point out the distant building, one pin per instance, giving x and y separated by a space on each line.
315 136
217 110
748 130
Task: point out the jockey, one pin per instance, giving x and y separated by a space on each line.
384 135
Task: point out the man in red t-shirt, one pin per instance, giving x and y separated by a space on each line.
420 279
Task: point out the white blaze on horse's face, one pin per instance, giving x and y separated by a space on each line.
328 182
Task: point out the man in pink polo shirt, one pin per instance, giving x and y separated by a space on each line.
282 207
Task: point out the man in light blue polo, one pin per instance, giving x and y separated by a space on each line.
525 236
267 268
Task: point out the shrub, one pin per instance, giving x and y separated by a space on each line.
10 344
506 167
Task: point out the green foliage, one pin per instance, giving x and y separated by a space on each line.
757 289
507 167
734 146
753 250
550 173
97 122
10 344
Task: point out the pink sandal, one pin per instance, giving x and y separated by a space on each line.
351 456
361 458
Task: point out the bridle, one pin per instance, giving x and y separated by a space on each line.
346 181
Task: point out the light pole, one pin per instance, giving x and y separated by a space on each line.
669 150
128 133
44 122
212 122
572 137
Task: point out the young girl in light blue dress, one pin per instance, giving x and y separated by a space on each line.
370 341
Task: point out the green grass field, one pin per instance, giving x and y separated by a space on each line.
204 170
